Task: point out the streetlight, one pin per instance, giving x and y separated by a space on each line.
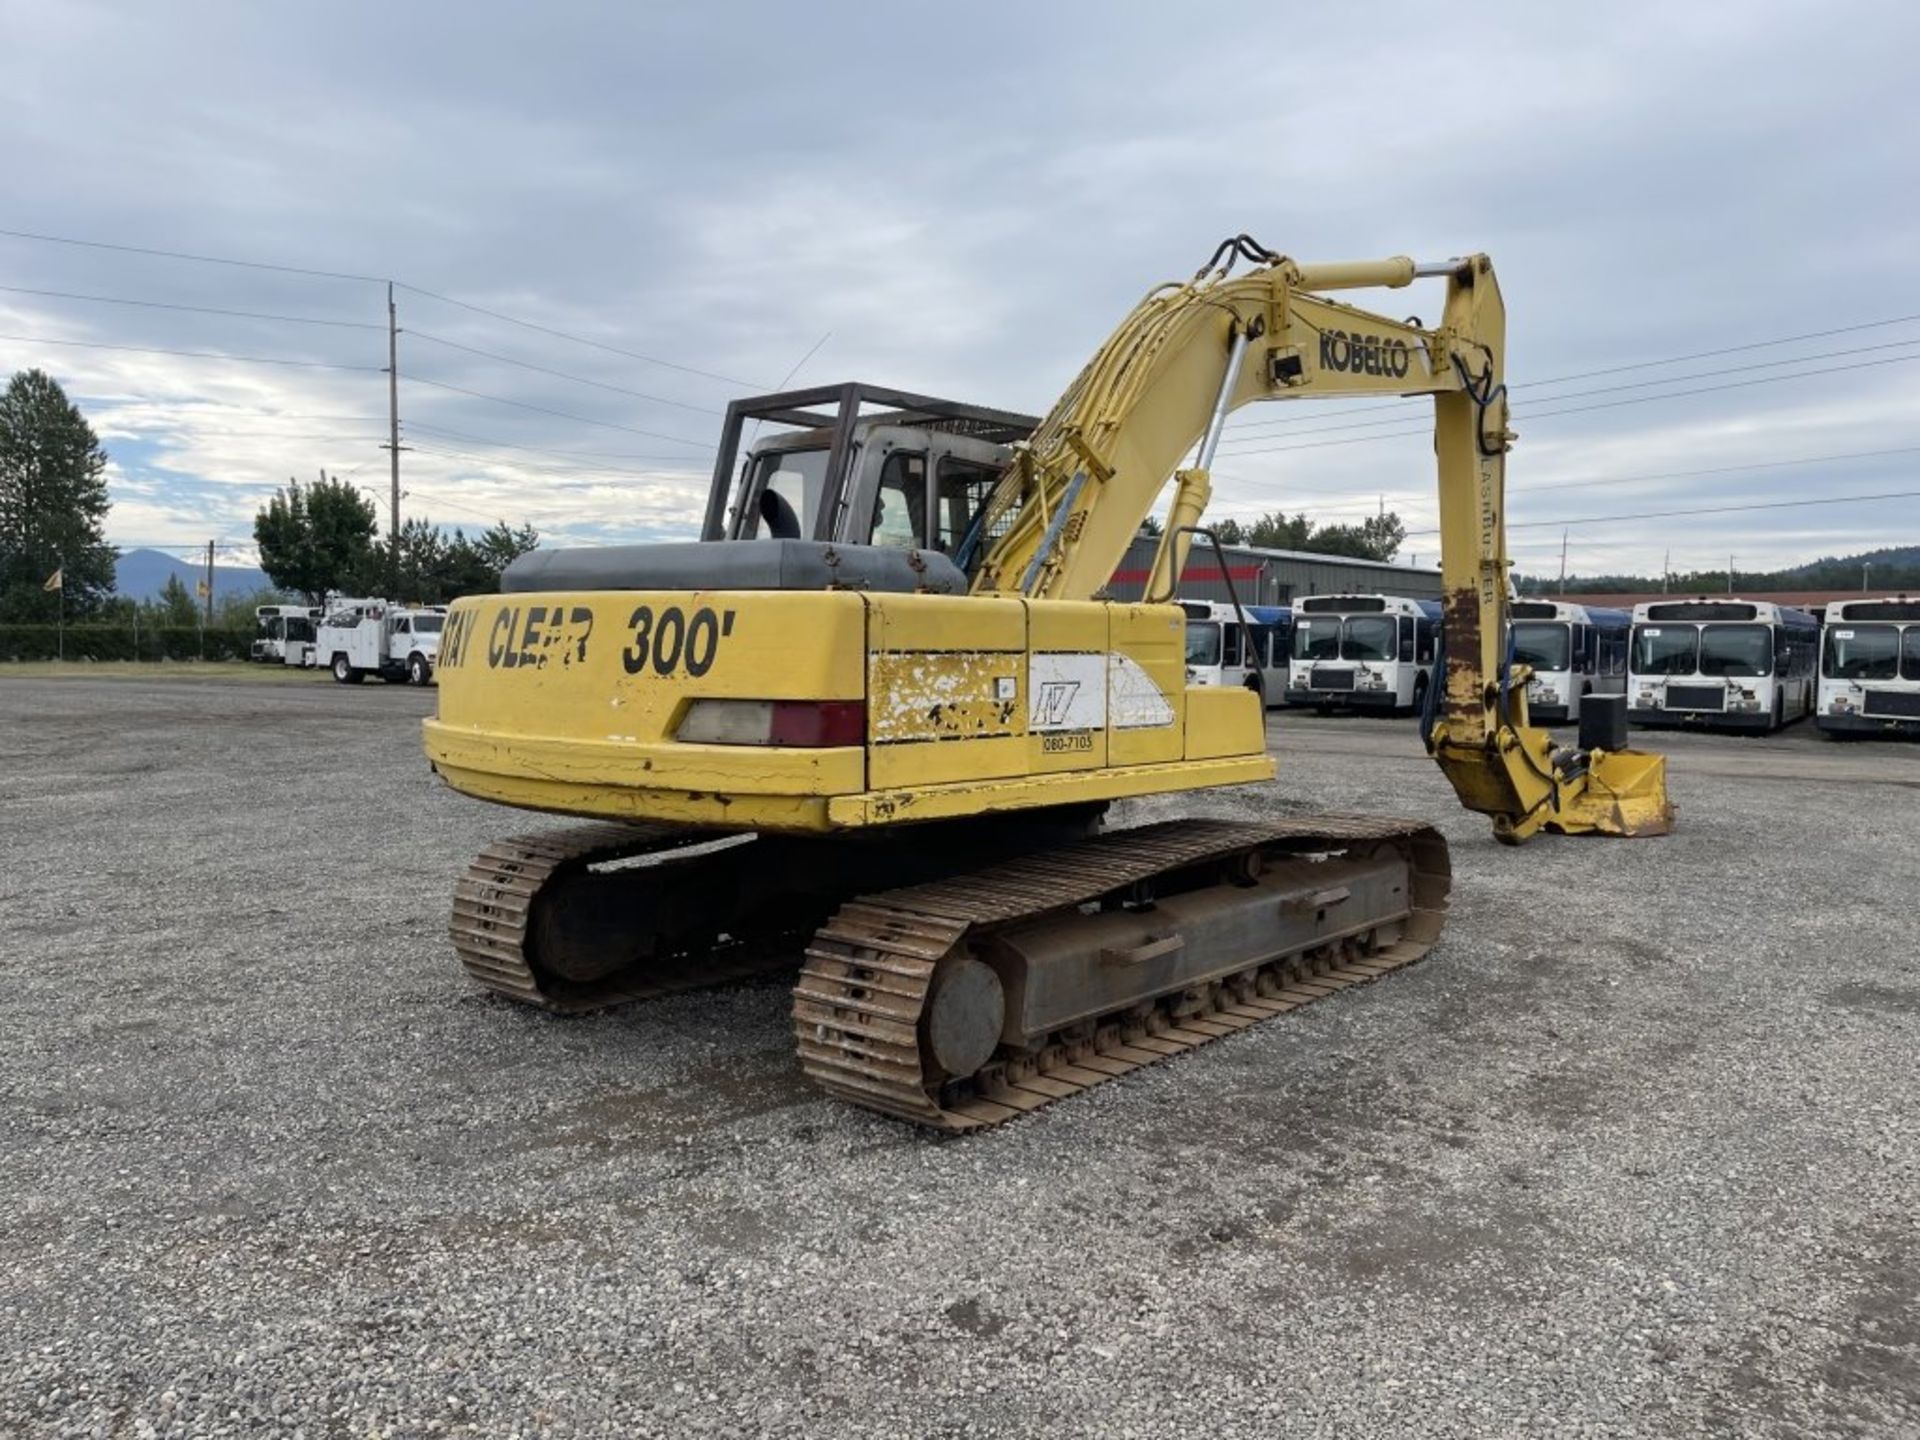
1866 568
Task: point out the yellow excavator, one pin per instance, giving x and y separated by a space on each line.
875 715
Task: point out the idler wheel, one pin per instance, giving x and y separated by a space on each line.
965 1015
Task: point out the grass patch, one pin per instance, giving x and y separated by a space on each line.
238 672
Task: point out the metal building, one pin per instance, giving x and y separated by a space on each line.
1272 577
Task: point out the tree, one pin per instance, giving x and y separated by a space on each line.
435 569
316 539
177 605
53 498
1378 537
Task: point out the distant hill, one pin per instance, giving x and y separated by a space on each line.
142 575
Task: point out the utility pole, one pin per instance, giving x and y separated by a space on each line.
393 444
1666 570
209 584
1866 568
1729 574
1563 562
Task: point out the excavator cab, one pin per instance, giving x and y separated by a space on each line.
860 465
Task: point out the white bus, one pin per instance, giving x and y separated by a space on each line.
1574 650
1219 654
1870 668
285 634
1362 652
1731 664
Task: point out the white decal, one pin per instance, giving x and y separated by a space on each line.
1134 700
1066 691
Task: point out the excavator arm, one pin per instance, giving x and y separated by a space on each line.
1189 355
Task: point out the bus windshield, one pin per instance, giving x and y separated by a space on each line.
1543 644
1867 652
1370 637
1664 649
1203 642
1736 650
1910 654
1316 639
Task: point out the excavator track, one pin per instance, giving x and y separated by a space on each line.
496 908
862 1007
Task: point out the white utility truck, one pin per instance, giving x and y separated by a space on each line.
366 637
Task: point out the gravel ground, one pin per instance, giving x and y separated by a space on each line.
1632 1153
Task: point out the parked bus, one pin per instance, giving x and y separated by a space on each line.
285 634
1730 664
1870 668
1364 652
1575 651
1218 653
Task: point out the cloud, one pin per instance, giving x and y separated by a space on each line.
966 208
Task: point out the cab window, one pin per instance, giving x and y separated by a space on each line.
963 489
900 502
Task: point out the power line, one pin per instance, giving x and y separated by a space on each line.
1522 414
1707 510
195 309
193 354
557 414
183 255
1605 405
561 374
537 450
1642 365
579 339
532 468
380 280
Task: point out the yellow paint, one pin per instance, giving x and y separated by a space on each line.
946 802
1223 721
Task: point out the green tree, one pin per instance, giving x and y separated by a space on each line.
177 605
317 538
1378 537
435 569
53 498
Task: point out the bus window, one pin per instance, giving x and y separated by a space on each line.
1316 639
1406 639
1230 649
1368 637
1543 644
1736 650
1664 649
1863 652
1203 642
1910 653
1425 630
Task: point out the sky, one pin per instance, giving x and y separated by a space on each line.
713 200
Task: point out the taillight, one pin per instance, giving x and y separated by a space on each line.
803 724
819 722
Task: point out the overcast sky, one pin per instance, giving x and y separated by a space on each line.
964 200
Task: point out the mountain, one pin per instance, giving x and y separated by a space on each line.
142 575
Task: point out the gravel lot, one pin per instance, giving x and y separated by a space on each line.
1632 1153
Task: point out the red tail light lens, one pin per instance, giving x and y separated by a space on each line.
818 723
